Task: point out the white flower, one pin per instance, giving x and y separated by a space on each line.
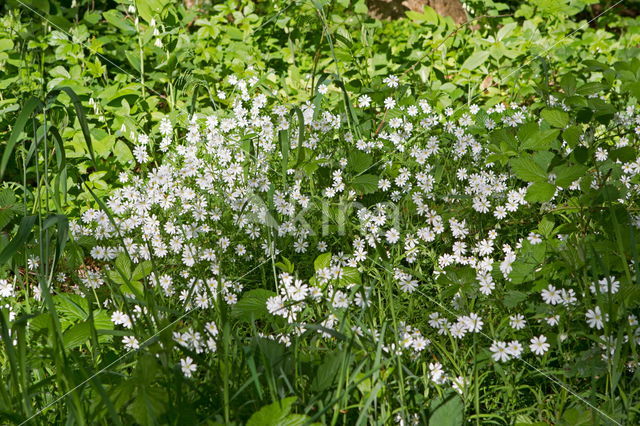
391 81
534 238
6 289
603 286
551 296
500 352
392 236
130 342
538 345
188 367
595 318
389 103
517 321
364 101
514 348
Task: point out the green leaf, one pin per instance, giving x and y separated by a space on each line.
365 184
527 169
322 261
150 403
447 412
350 276
272 414
475 60
540 192
122 152
252 305
360 161
512 298
541 139
143 270
555 117
21 237
29 107
572 135
76 335
566 175
118 20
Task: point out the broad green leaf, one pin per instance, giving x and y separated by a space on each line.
272 414
566 175
365 184
149 404
76 335
447 412
527 169
322 261
252 305
555 117
359 161
572 135
350 276
540 192
143 270
475 60
118 20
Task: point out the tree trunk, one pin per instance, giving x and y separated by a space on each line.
394 9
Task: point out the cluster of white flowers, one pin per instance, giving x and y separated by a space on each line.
225 198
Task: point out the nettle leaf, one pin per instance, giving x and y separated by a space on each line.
252 305
572 135
555 117
142 270
350 276
76 335
118 20
272 414
512 298
322 261
530 257
540 192
546 226
541 139
527 169
624 154
149 9
360 161
365 184
149 404
447 411
475 60
567 174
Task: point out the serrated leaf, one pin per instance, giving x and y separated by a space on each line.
448 411
572 135
252 305
365 184
322 261
555 117
143 270
540 192
359 161
527 169
566 174
149 404
476 59
272 414
350 276
77 335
